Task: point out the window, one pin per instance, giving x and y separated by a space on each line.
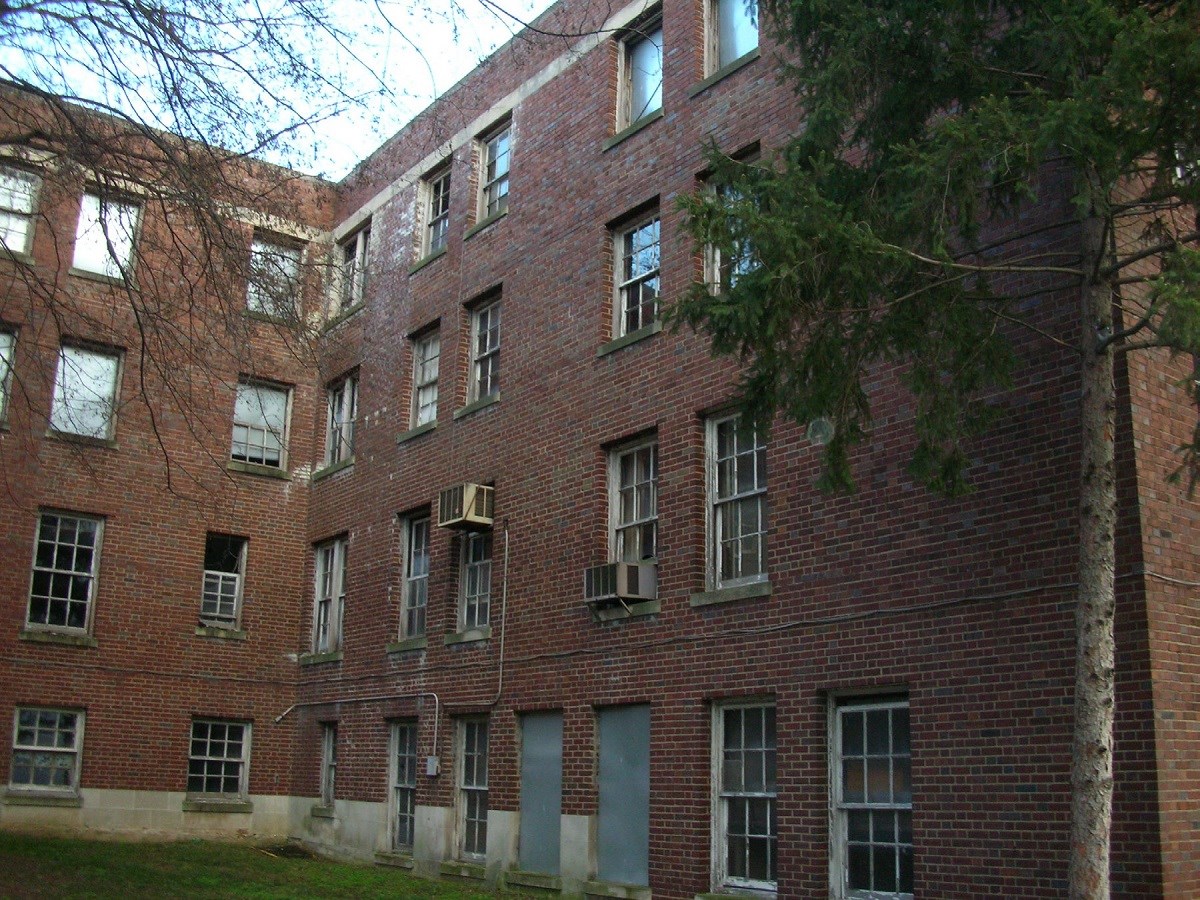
18 194
105 236
219 758
472 788
494 187
274 279
328 763
342 410
744 802
637 261
738 492
437 210
485 351
732 31
872 827
726 267
85 392
224 569
66 559
476 579
426 353
47 746
330 596
416 575
404 784
354 268
641 56
260 416
633 479
8 342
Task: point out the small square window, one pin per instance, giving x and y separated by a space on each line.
330 596
218 759
732 31
637 275
476 580
224 572
47 748
260 417
641 83
18 200
273 285
744 814
404 785
355 257
65 562
416 576
426 358
8 342
328 763
485 351
105 236
737 493
633 481
341 412
85 392
472 788
437 210
493 186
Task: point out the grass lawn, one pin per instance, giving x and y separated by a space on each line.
68 867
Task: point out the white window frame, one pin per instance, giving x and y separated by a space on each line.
264 427
631 511
634 52
722 21
637 267
341 414
19 190
471 779
8 351
435 202
475 580
55 573
353 266
105 236
329 733
841 806
273 278
427 351
86 387
495 160
485 350
42 741
222 589
403 760
329 594
718 501
415 590
218 763
725 798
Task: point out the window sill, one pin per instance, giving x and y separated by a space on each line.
724 72
259 316
394 859
18 256
484 223
539 880
475 406
247 468
99 277
611 889
333 468
461 869
416 432
613 612
470 636
426 260
64 800
407 645
632 338
217 805
316 659
341 316
322 812
84 440
734 890
225 633
730 594
65 638
631 129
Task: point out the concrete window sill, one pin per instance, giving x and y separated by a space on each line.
475 406
394 859
632 338
64 800
632 129
236 465
407 645
730 594
220 632
416 432
611 889
64 638
538 880
484 223
83 440
724 72
615 611
333 468
462 869
316 659
471 636
217 805
426 260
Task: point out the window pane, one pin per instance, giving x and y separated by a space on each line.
737 29
104 237
645 75
84 392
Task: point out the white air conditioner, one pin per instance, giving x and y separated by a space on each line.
468 507
620 581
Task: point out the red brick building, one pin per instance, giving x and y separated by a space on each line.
318 637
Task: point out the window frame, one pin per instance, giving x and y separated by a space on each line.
413 622
243 761
329 734
471 835
329 606
92 574
616 489
839 807
402 783
435 204
8 354
257 384
715 502
722 271
474 607
640 33
485 361
626 250
341 416
721 797
53 749
493 185
219 620
353 268
109 266
716 38
27 217
60 404
275 295
424 413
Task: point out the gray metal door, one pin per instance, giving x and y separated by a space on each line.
541 791
623 826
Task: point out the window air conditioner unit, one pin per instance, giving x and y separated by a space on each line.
468 507
620 581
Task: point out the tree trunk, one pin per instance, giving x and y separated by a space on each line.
1092 757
